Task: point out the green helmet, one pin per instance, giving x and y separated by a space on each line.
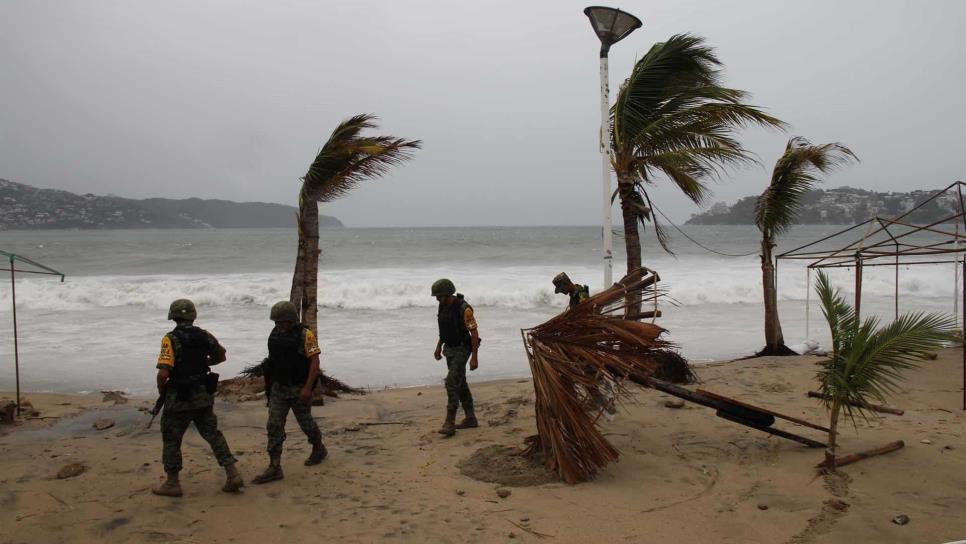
183 309
560 281
443 288
284 311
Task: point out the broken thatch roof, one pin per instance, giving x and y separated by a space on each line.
580 359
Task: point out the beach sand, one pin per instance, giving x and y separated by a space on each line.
683 476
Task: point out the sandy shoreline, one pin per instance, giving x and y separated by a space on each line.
684 475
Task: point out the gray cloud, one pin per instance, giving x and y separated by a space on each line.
232 99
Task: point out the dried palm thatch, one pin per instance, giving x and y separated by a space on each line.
581 359
330 386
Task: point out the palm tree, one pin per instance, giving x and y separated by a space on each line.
346 159
867 360
673 117
795 173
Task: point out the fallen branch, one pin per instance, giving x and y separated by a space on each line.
531 531
849 459
372 423
873 407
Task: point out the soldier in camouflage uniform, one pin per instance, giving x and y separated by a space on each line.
188 388
458 341
578 293
291 372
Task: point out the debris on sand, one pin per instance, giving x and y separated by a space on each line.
102 424
8 412
71 470
117 397
250 385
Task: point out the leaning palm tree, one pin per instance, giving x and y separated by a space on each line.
867 360
673 117
347 158
795 173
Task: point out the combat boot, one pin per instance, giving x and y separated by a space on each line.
449 426
318 453
170 488
272 473
469 422
233 479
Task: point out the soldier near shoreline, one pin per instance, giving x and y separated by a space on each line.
188 386
291 372
458 341
578 293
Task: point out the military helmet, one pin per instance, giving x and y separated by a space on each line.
443 288
183 309
560 281
284 311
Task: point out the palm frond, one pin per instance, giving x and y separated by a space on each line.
348 158
582 357
795 174
674 118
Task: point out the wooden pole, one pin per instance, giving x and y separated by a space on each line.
16 347
849 459
858 286
897 281
964 331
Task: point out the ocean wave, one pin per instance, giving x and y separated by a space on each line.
710 282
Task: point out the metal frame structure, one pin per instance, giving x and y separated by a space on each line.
36 268
893 242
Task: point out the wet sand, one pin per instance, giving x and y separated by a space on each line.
684 475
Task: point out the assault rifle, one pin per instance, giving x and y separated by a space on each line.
158 404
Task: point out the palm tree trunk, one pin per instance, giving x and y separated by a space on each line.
305 278
632 240
774 340
832 436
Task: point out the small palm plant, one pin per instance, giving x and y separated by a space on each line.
867 360
795 173
347 158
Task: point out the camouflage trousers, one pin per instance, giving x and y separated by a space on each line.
283 399
173 427
457 390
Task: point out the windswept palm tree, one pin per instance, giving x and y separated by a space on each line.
795 173
867 361
673 117
347 158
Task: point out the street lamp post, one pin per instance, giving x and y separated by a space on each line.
611 26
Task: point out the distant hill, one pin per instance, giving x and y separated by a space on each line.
842 206
26 207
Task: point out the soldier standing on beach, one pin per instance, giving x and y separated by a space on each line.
188 387
578 293
458 341
292 370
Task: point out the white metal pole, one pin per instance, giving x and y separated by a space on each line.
808 297
605 154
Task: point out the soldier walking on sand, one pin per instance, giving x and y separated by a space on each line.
291 372
458 341
578 293
188 388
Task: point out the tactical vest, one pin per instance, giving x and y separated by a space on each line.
286 353
190 353
452 325
579 290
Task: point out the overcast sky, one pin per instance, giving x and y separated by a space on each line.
232 99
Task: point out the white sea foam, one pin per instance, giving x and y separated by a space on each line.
708 282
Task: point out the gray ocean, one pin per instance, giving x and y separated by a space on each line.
101 328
